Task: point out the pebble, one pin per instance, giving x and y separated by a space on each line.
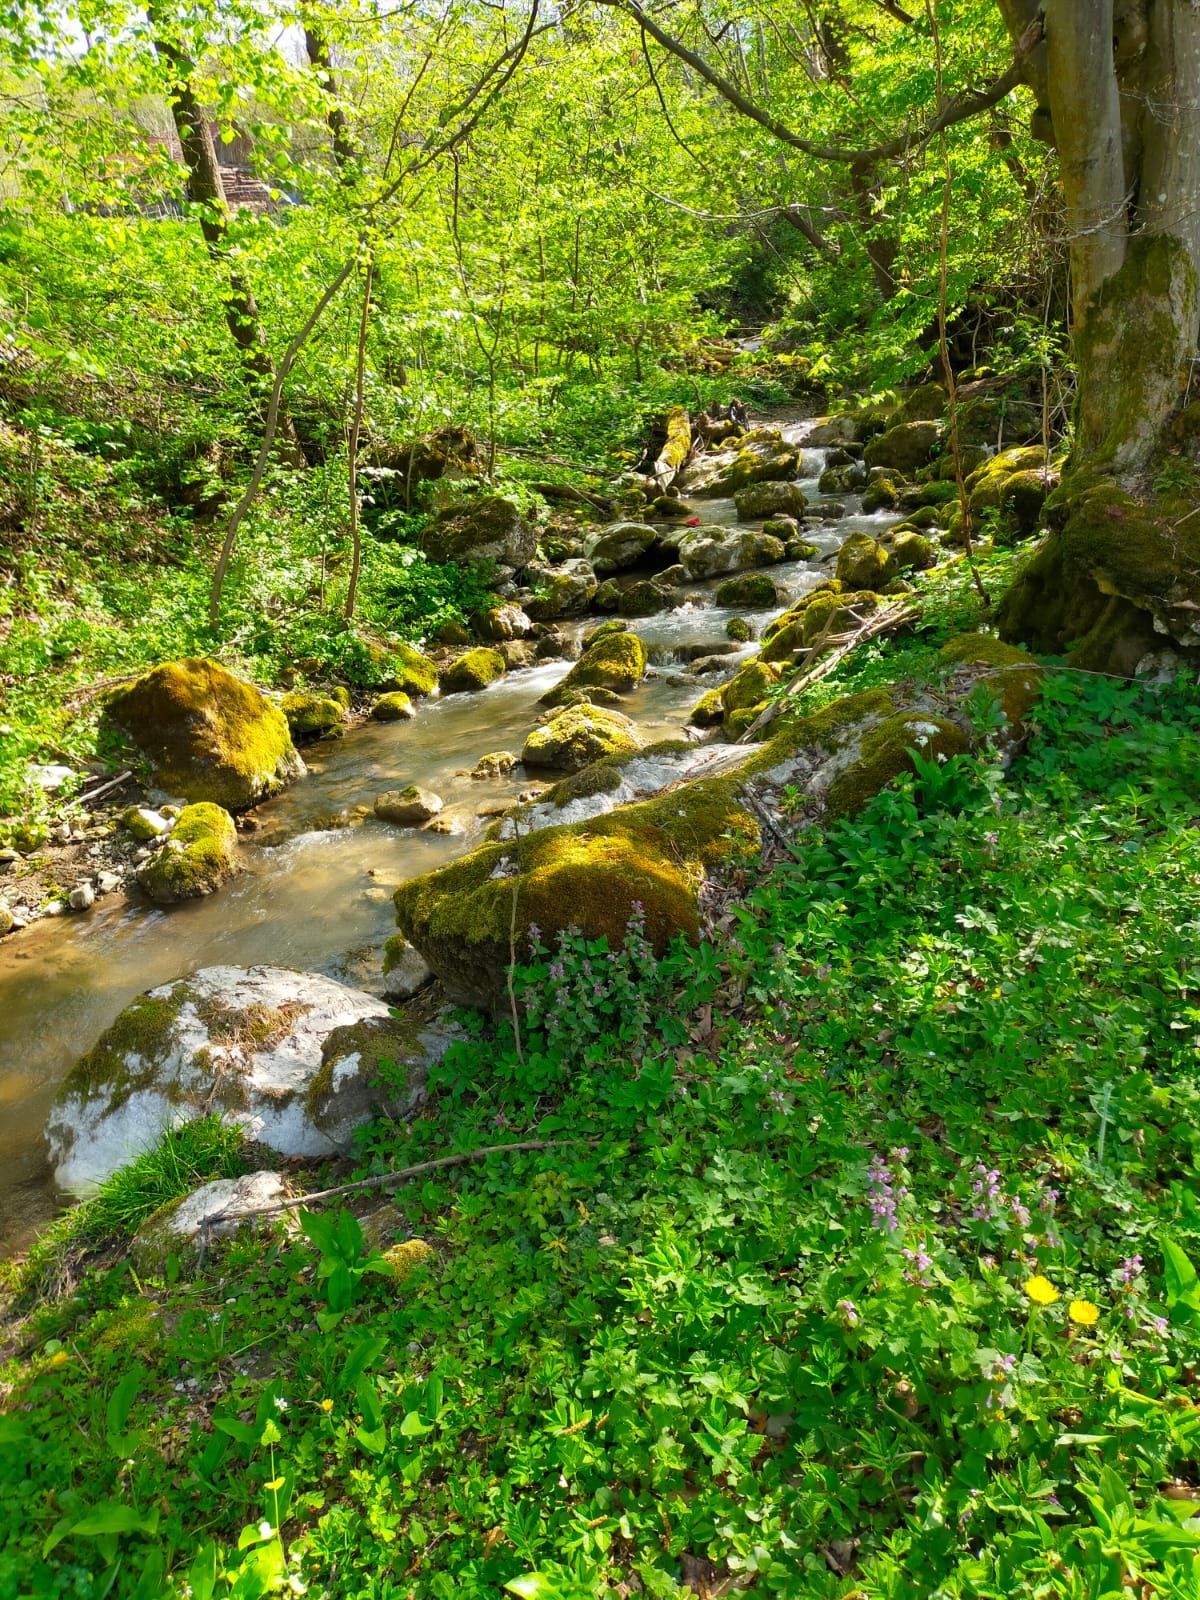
82 898
108 882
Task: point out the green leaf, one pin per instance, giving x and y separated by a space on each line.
1182 1283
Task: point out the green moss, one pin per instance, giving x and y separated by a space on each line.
255 1027
986 485
405 1258
885 753
827 730
750 685
309 716
411 671
207 734
380 1043
863 563
394 707
913 552
738 629
1011 674
708 710
615 661
125 1057
753 589
473 671
578 735
199 856
588 874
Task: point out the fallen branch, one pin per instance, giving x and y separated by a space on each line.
105 788
885 621
568 492
382 1180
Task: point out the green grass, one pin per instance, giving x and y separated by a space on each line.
689 1352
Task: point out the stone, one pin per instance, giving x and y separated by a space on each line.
214 1211
82 897
863 563
926 403
502 622
772 499
619 546
710 552
882 495
405 970
200 855
759 456
518 654
753 589
607 596
144 823
832 431
7 921
578 735
913 552
738 629
312 716
394 707
291 1057
905 447
409 807
496 765
473 671
488 527
49 776
108 882
615 661
208 735
643 600
563 591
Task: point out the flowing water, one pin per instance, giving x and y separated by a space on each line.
316 892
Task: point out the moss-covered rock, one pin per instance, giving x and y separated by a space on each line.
749 686
200 855
311 716
905 447
489 527
710 552
760 456
926 403
1021 501
497 764
754 590
394 707
564 591
882 494
913 552
708 711
771 499
473 671
408 807
413 672
643 599
246 1043
739 630
1011 675
143 823
207 734
614 661
501 622
578 735
656 853
619 546
863 563
985 486
885 752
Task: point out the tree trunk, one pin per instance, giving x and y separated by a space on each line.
1121 92
206 190
1119 574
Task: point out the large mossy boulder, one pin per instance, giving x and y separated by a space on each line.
904 448
198 855
773 499
574 737
311 715
615 661
473 672
291 1057
760 456
713 551
986 484
863 563
488 527
1010 675
619 546
409 671
656 854
1115 580
207 734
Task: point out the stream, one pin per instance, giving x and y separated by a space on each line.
316 892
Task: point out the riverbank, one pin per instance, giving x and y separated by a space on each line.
879 1192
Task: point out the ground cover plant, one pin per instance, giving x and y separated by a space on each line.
866 1268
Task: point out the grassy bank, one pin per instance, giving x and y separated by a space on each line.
871 1278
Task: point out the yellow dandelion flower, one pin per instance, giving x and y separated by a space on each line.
1083 1312
1041 1291
326 1405
59 1359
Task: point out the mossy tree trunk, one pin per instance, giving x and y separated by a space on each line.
1118 85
